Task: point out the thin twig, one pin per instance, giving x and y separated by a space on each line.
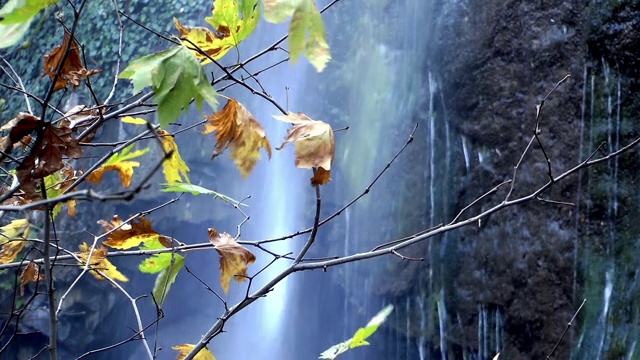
569 324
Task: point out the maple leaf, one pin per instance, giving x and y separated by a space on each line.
56 143
168 265
131 234
233 22
72 70
31 273
306 30
23 10
19 128
236 127
176 77
197 190
315 145
119 162
16 229
174 168
184 349
15 18
10 250
360 336
100 263
234 258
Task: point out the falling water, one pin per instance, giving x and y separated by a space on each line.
423 330
608 289
442 320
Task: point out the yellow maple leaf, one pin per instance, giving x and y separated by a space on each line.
184 349
10 251
174 168
234 258
16 229
100 263
232 21
236 127
119 162
131 234
314 142
124 169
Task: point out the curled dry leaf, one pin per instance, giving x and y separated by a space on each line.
314 142
19 129
100 263
72 70
131 234
47 158
79 116
234 258
31 273
236 127
184 349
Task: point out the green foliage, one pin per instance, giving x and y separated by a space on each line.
168 265
176 77
197 190
306 30
360 336
126 154
19 11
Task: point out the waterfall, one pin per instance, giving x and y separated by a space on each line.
604 320
421 343
442 320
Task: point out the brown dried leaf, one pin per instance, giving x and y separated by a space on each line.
19 128
236 127
314 142
234 258
31 273
56 143
72 70
78 116
99 262
131 234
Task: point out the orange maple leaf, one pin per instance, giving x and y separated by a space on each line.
236 127
315 145
234 258
131 234
100 263
72 70
31 273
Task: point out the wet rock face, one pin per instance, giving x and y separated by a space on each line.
496 61
614 34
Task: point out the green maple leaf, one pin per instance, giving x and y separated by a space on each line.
176 76
306 30
360 336
167 265
20 11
